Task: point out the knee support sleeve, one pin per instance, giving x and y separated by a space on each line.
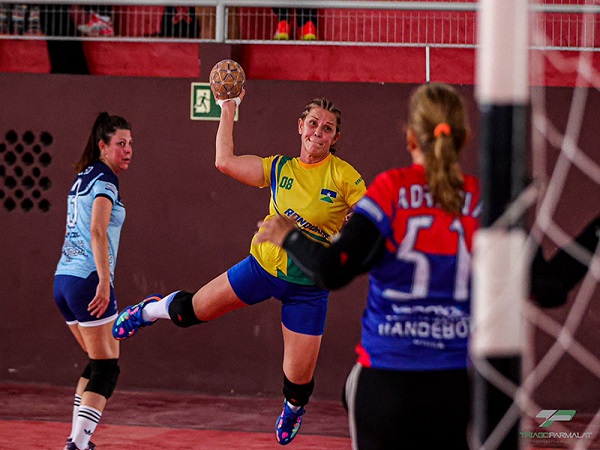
297 394
103 377
87 372
181 310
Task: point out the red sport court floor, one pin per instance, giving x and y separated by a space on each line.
34 416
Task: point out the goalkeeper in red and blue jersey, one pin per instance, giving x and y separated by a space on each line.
413 233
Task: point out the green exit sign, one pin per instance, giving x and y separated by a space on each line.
203 104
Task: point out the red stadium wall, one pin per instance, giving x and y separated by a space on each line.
186 223
275 62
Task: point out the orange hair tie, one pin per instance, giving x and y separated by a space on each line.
442 128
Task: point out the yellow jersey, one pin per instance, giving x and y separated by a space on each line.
315 196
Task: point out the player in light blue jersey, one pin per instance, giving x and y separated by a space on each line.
412 232
83 283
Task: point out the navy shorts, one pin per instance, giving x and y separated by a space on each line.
73 295
303 308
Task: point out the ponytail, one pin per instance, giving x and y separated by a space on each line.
437 119
444 175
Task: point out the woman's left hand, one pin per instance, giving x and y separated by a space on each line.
99 303
275 230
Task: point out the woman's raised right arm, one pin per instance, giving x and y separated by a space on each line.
247 169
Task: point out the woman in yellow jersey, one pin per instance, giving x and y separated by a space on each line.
316 190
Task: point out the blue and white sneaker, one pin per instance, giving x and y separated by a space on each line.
71 446
130 320
288 424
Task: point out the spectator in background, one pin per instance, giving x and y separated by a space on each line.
66 56
4 19
100 22
20 19
306 20
180 22
207 19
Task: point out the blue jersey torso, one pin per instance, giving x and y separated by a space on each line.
77 259
418 309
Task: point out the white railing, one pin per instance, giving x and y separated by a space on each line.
376 23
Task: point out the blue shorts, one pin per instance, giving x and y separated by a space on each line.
73 295
303 308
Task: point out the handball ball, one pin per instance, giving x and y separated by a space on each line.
227 79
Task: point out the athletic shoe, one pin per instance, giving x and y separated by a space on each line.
308 32
97 26
130 320
71 446
288 424
283 31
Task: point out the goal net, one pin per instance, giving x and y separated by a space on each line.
553 400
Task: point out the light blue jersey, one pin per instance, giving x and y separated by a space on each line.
77 259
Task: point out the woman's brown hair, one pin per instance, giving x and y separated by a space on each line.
104 127
438 121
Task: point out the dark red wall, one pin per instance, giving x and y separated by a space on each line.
187 223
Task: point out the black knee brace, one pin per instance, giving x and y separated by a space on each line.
87 372
181 310
297 394
103 377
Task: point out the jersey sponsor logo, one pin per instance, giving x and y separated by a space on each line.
72 249
443 330
111 187
357 182
437 310
303 223
414 197
328 195
417 196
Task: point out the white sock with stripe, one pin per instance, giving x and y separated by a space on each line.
159 309
87 420
76 403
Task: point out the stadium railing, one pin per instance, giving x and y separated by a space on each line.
557 26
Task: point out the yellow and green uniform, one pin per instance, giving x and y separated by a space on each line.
316 196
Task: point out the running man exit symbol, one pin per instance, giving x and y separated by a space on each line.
203 102
203 105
